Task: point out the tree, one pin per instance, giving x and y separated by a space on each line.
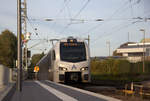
8 48
35 59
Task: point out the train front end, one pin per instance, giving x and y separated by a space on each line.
74 61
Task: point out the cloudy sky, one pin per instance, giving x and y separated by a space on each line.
120 17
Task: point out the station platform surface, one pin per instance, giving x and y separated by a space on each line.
50 91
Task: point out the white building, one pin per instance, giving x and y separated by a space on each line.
134 51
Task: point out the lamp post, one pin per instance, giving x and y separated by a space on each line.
108 42
143 30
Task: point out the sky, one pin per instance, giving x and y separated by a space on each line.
119 18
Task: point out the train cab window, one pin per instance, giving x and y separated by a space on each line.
53 55
72 52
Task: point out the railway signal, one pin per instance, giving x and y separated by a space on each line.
36 68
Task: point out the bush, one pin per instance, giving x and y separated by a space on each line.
110 66
118 69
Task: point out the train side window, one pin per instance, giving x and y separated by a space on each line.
53 55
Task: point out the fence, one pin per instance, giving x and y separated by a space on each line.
137 89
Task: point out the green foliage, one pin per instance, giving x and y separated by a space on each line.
35 59
118 69
110 66
8 48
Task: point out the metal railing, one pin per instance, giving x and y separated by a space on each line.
136 89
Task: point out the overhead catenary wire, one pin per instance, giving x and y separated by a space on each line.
34 29
120 9
82 9
105 20
40 41
36 44
69 12
66 2
131 7
95 27
82 20
111 33
75 16
98 25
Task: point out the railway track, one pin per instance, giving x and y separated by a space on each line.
110 90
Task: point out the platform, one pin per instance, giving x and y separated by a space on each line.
50 91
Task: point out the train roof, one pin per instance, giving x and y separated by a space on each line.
72 38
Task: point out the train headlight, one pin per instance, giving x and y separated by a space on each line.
84 68
62 68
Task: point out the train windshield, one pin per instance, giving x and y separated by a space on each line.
72 52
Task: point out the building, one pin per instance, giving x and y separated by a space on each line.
134 51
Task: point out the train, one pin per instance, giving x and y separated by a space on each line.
67 61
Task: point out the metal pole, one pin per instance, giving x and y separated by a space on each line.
26 57
143 49
108 42
25 32
89 41
128 37
19 57
89 57
109 48
144 53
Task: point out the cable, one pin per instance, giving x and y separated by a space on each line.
115 13
95 27
66 2
76 16
35 44
131 7
82 9
69 12
34 30
110 33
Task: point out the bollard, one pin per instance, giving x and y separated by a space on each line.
132 88
141 91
